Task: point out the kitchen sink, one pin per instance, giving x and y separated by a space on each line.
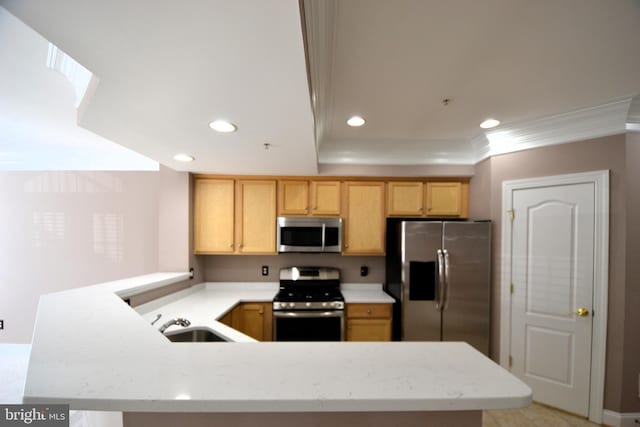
194 335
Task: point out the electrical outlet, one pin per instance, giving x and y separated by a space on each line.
1 325
265 270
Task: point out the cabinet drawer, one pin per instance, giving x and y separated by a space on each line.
369 310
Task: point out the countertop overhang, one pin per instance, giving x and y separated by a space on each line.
93 351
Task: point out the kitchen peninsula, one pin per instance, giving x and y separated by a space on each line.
93 351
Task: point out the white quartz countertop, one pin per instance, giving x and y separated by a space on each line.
94 352
203 304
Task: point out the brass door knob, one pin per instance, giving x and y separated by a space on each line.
582 312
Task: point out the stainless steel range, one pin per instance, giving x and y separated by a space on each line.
309 305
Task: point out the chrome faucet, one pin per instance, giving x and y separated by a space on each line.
177 321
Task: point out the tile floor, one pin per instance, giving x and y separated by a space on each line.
534 416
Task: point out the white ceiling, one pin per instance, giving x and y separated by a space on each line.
166 69
38 129
394 62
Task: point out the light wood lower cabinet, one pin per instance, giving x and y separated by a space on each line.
368 322
227 319
252 319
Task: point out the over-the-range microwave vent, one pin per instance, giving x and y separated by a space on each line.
309 234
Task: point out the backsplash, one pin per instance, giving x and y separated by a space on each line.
230 268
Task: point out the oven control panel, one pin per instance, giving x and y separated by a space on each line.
310 305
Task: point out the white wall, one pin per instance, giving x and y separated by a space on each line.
60 230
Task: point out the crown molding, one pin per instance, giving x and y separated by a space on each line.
586 123
633 118
396 152
320 22
579 125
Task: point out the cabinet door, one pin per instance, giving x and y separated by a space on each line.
365 220
214 216
254 319
227 319
444 198
325 198
293 197
256 205
369 330
368 322
405 199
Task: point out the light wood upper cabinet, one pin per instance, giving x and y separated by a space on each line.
325 198
256 207
364 228
237 215
320 198
444 198
214 216
234 217
293 197
427 199
405 198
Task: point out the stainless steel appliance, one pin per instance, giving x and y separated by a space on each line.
309 234
309 305
439 272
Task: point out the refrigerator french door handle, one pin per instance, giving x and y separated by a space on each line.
445 299
440 296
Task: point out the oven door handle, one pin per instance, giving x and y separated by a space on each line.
301 313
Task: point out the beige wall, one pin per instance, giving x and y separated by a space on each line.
230 268
66 229
173 220
631 355
597 154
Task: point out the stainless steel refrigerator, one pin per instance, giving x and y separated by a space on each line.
439 272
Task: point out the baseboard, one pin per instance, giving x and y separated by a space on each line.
615 419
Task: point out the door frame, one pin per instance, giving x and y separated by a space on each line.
600 179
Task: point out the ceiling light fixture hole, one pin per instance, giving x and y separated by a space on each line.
223 126
356 121
489 123
184 157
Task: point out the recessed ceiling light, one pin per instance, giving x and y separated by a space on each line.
489 123
355 121
223 126
184 158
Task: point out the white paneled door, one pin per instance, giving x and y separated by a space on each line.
552 273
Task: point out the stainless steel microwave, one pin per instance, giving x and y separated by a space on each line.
309 234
